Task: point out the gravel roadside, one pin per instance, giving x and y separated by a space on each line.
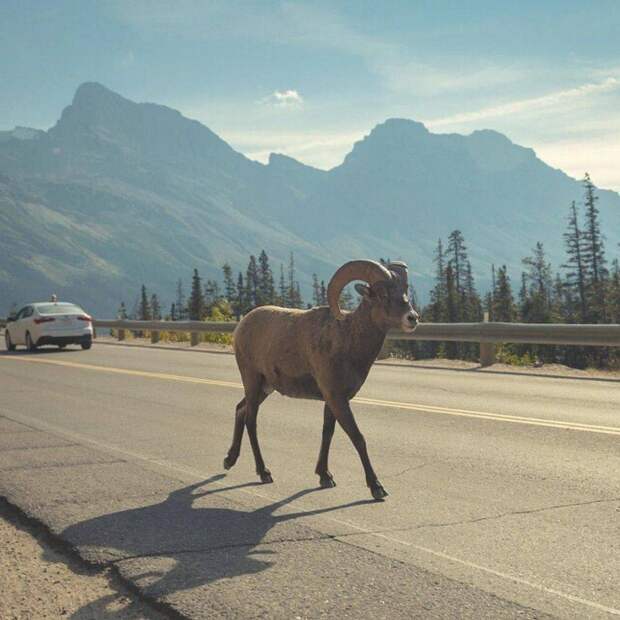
41 579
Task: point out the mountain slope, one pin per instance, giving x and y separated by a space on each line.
119 193
402 187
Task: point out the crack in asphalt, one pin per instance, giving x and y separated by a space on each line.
60 465
404 471
62 445
505 514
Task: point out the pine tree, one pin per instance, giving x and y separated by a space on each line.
523 296
452 307
180 304
503 300
196 304
539 286
439 292
283 299
472 309
576 277
323 293
489 298
173 312
251 283
144 307
212 294
316 290
155 308
266 290
241 305
346 299
121 313
229 284
298 298
594 255
294 298
457 258
561 302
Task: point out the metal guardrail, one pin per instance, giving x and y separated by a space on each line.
486 333
532 333
607 335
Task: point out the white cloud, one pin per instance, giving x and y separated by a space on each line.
545 103
284 99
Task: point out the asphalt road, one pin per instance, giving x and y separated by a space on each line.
504 489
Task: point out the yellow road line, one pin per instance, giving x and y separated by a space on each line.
482 415
128 371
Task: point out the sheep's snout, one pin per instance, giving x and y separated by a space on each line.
410 321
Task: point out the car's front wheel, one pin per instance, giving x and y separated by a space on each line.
7 339
31 346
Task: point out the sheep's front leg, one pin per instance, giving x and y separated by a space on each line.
329 424
343 414
250 424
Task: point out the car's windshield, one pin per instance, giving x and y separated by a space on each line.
59 309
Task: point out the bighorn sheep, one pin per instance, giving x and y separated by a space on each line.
321 354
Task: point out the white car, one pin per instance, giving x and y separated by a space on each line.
57 323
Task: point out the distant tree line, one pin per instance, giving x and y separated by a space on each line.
585 290
232 297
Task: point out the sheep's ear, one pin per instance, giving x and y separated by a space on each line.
362 289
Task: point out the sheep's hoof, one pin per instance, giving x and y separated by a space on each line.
327 481
378 492
229 462
265 477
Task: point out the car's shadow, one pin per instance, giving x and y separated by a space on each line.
47 350
176 546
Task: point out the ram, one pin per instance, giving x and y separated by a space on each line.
322 353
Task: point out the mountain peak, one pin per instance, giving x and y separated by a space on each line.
399 128
90 93
490 136
395 135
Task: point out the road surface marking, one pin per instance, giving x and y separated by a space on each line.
198 475
466 413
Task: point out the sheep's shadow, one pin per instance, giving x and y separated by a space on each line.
175 546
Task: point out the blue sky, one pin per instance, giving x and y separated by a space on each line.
310 78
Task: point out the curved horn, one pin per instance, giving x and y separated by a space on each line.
401 270
367 270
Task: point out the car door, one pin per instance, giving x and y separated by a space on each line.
28 324
17 328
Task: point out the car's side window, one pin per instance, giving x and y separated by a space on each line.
28 310
20 314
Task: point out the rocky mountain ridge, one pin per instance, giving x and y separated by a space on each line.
119 193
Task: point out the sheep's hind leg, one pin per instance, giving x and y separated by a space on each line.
326 480
235 448
255 395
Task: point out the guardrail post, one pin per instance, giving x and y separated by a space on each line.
121 334
154 337
195 338
487 349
